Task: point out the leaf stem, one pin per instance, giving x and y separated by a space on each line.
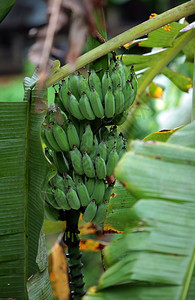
138 31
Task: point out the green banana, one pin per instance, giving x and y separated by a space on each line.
87 140
61 200
122 152
90 184
51 199
72 134
85 107
112 161
119 100
92 154
109 103
60 162
102 149
96 103
128 94
77 178
116 78
100 167
57 101
106 82
73 199
96 83
83 86
119 142
76 159
43 137
52 144
88 166
50 213
69 182
60 117
134 81
60 137
99 190
73 84
64 90
124 73
74 107
48 154
90 211
103 133
111 141
101 213
83 193
108 192
57 182
111 66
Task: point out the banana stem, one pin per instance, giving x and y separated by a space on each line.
136 32
75 265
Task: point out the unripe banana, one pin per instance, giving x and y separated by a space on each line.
96 103
73 83
60 162
109 103
57 101
96 83
83 86
73 199
87 140
119 142
86 108
50 213
93 152
122 152
69 182
111 142
112 161
116 78
119 100
101 213
60 137
108 192
51 140
88 166
99 190
76 159
57 182
134 81
48 154
64 90
102 149
128 92
103 133
60 117
51 199
61 200
111 66
77 178
83 193
43 137
74 107
123 70
90 184
106 82
90 211
73 137
100 167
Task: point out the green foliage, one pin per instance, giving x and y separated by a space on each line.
5 7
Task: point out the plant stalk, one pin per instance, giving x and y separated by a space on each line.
193 94
136 32
75 265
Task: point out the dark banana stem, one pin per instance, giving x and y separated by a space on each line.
71 239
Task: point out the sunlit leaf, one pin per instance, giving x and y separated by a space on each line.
181 81
163 37
161 136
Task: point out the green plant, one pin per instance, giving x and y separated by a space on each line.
150 260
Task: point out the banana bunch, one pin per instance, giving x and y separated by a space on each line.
92 98
79 142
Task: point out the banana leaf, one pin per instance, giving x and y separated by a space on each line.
23 177
154 258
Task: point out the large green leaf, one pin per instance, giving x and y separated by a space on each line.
155 257
5 7
23 177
